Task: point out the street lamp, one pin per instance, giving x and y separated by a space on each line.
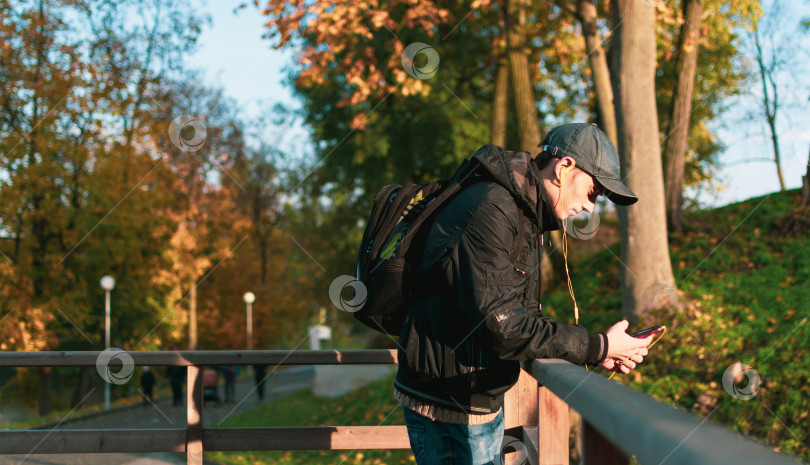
108 284
249 299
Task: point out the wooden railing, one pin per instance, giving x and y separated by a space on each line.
618 421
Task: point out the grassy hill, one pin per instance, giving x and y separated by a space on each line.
746 290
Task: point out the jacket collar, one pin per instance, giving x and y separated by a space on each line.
518 173
545 208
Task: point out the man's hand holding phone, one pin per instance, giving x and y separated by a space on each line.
625 348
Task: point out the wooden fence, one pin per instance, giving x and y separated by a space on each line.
618 422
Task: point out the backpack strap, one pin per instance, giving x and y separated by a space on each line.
459 180
467 168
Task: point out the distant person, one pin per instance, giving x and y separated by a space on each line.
259 373
147 384
230 383
210 386
176 376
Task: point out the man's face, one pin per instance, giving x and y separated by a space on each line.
578 192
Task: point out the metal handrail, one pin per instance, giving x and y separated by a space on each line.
641 426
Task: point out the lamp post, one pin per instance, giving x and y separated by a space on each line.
108 284
249 299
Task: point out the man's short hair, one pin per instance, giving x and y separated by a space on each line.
543 159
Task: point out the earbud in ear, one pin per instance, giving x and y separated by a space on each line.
562 173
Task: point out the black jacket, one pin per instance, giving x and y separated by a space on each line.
460 347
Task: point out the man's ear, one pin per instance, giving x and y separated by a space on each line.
563 165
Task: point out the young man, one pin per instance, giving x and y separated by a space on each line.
460 347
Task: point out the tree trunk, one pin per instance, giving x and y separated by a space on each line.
675 150
500 104
645 249
263 247
770 104
806 185
776 156
528 128
586 12
500 101
192 317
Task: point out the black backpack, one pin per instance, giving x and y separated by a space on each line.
393 242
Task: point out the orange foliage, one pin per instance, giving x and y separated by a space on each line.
344 32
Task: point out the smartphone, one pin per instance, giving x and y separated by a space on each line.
648 332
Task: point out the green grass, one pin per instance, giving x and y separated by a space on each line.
371 405
747 291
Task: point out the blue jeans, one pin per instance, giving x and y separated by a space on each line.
435 443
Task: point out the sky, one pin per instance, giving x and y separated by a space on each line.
234 55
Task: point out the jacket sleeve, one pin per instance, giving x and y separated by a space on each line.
488 289
597 349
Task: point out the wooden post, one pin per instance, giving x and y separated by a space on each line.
520 402
520 409
511 423
552 428
194 403
597 450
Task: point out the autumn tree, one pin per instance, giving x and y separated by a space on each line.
587 14
717 64
771 55
442 122
201 136
645 249
43 138
99 176
75 206
261 264
675 145
719 75
373 122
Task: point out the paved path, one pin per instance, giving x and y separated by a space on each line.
330 381
162 414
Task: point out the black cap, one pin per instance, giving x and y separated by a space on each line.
594 154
